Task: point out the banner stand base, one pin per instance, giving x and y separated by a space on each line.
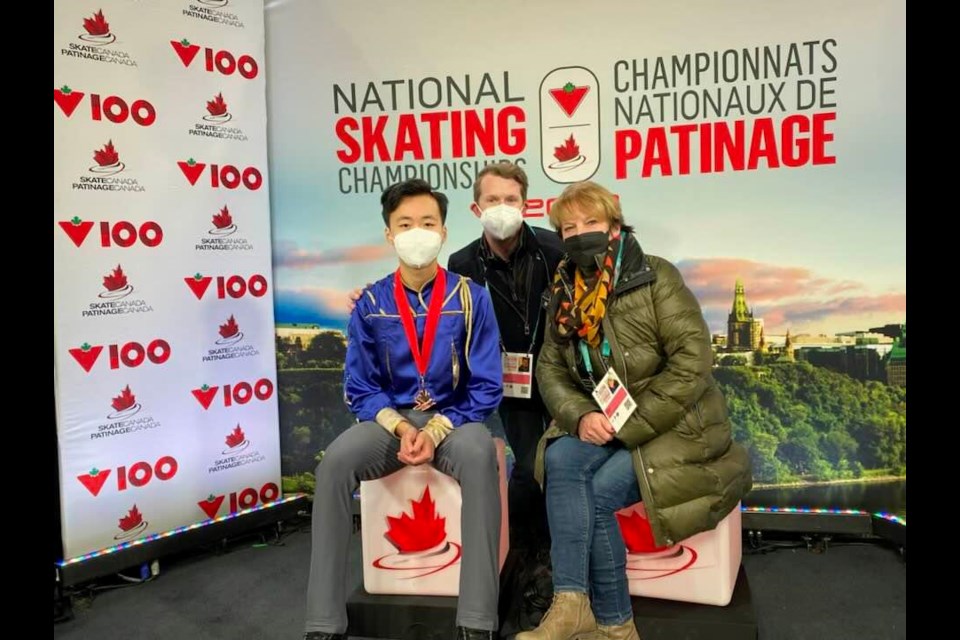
73 571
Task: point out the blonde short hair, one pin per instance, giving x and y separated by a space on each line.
588 197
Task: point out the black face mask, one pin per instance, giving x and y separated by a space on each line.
584 248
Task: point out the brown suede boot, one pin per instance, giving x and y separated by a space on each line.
569 618
625 631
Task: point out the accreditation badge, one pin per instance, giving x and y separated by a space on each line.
614 399
517 374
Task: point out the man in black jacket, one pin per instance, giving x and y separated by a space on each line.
516 263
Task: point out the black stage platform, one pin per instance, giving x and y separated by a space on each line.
433 618
254 587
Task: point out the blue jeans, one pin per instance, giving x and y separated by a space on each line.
586 484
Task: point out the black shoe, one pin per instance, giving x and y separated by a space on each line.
320 635
466 633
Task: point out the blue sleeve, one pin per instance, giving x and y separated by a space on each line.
363 383
485 385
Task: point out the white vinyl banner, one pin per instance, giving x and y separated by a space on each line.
164 363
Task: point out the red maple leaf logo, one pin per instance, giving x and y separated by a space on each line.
211 505
86 356
94 480
186 51
236 437
97 25
567 151
569 97
116 280
191 169
223 219
67 99
637 534
205 395
131 520
107 156
77 229
230 329
125 400
198 284
423 531
217 107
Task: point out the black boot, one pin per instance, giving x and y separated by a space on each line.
320 635
466 633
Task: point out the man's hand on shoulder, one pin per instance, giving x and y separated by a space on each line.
353 297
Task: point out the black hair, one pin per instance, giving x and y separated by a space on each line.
394 195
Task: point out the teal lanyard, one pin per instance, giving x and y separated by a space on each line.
604 346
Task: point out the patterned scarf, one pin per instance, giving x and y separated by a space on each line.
581 316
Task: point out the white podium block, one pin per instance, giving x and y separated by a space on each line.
410 531
702 569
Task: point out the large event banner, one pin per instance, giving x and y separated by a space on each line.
164 364
759 146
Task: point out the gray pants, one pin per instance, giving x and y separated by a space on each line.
366 451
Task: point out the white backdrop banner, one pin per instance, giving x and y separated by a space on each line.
164 363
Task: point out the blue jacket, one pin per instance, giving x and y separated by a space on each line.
464 375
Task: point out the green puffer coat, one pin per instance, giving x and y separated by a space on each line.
691 473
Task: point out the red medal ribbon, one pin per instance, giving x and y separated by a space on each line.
421 356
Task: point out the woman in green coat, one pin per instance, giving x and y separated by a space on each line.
617 311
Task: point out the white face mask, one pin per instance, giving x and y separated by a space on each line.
501 221
418 247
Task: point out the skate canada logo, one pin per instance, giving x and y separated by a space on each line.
126 416
570 124
421 541
125 405
107 161
131 525
229 344
96 42
115 297
213 11
645 560
213 123
221 234
103 174
237 453
116 285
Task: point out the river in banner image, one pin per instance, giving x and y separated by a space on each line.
889 496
